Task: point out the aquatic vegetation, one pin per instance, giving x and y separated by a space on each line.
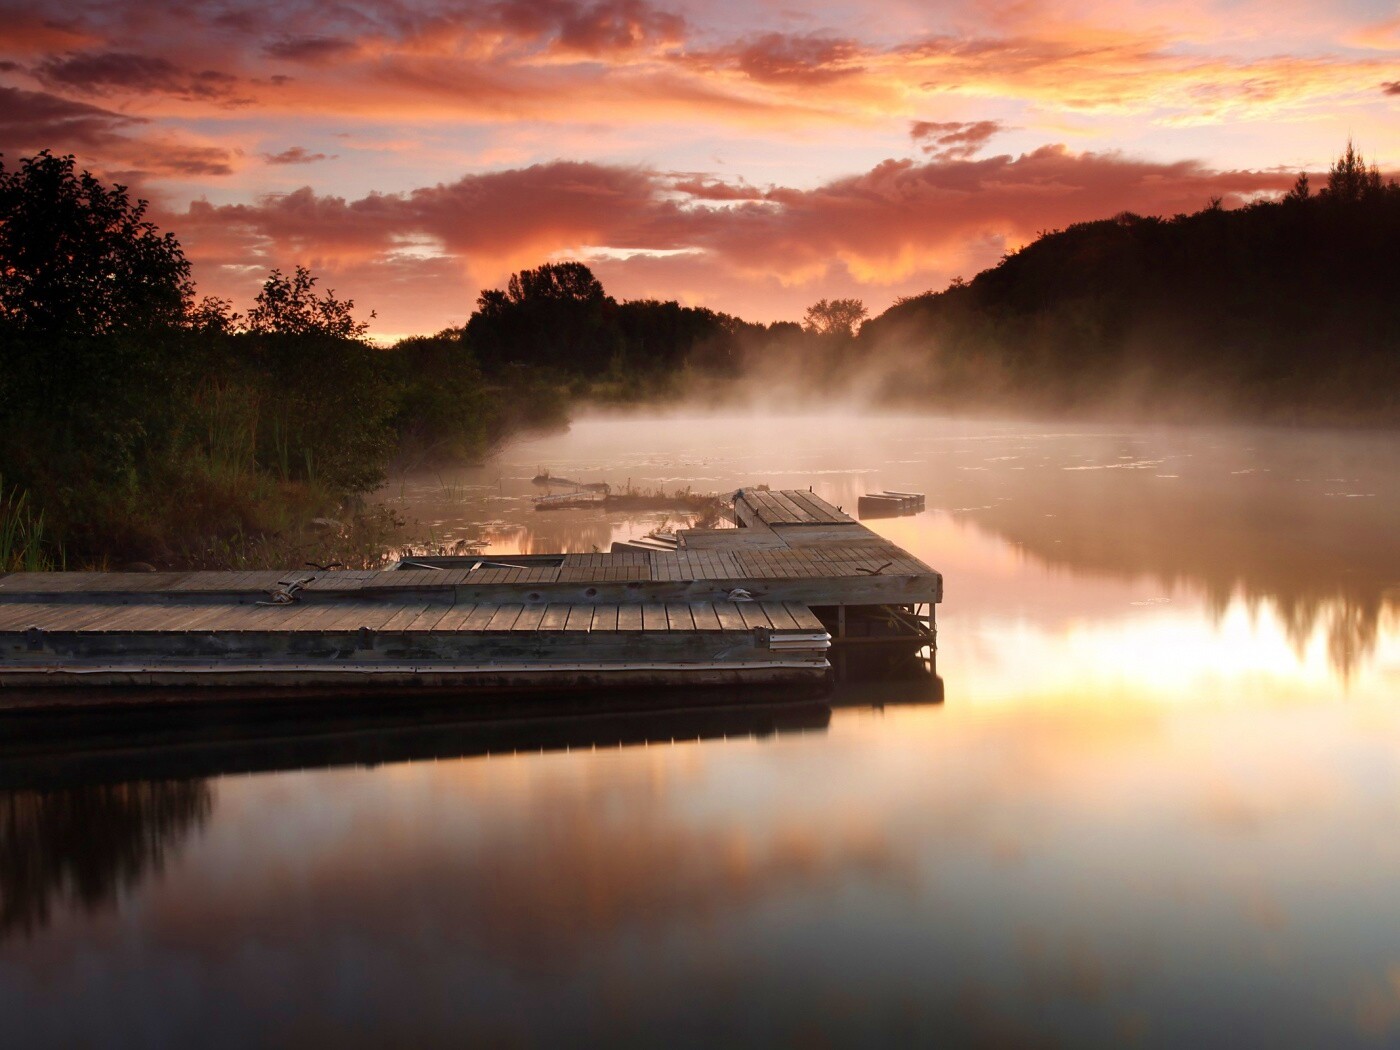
23 547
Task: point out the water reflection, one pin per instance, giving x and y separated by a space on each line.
83 847
1263 519
1157 806
87 816
1294 525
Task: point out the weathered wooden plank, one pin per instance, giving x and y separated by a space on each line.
68 617
758 535
429 618
580 618
403 615
799 514
605 617
20 616
815 512
399 579
505 618
195 617
781 619
452 620
556 616
703 613
479 617
335 583
629 617
309 617
753 614
678 617
768 511
47 616
99 616
828 511
263 617
654 618
205 580
730 619
352 616
249 616
806 619
530 618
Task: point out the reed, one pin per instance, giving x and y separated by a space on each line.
22 544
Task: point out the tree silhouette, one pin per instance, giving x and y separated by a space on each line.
290 306
567 281
79 258
1349 180
1284 310
838 317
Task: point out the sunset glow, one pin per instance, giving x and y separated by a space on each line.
750 158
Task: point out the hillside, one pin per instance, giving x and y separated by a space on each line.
1286 310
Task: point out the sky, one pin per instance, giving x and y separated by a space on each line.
743 155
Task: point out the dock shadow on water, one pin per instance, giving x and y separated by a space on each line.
91 807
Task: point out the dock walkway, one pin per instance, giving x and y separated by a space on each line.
757 603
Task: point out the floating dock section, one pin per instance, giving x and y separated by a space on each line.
889 504
758 605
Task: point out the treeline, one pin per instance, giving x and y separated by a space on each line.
140 425
555 327
137 424
1286 310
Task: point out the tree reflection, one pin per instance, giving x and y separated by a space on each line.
83 846
1303 525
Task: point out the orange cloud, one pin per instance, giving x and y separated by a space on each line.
629 61
901 221
953 140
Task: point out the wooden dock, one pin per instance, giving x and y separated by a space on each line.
754 605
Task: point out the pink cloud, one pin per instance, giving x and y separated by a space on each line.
953 140
296 155
632 61
903 225
35 120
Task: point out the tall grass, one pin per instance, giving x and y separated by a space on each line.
22 545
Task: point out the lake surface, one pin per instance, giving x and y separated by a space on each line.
1158 803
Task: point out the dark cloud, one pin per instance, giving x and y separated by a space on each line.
175 158
953 140
608 27
103 72
34 120
1391 87
707 188
898 217
296 155
29 30
781 58
310 49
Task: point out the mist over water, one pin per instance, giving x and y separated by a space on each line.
1156 806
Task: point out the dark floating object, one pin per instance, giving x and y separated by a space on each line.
546 478
890 504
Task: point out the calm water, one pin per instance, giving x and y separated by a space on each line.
1160 803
